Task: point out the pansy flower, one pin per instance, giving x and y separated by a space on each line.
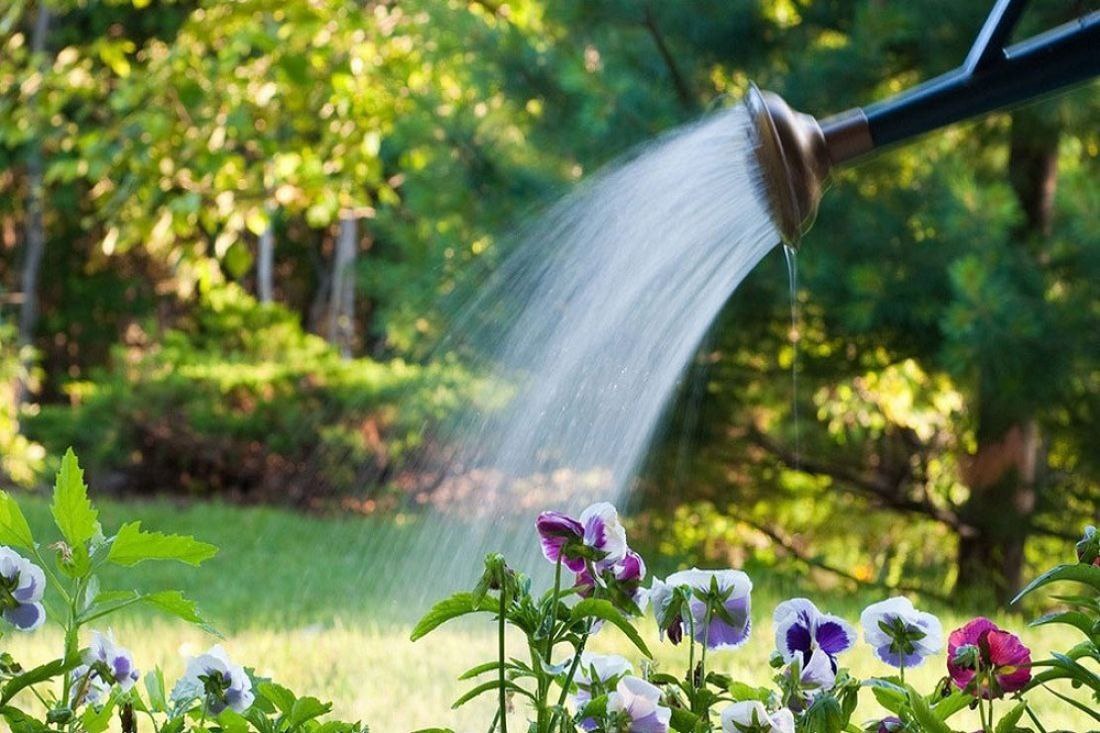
220 683
800 629
597 673
986 661
635 707
622 583
804 682
597 536
750 716
22 584
89 688
901 635
111 662
719 607
890 724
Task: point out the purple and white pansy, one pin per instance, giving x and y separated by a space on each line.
114 662
597 537
88 687
801 629
105 664
719 607
750 716
900 635
597 674
220 683
22 584
635 707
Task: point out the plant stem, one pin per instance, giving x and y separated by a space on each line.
1034 718
571 674
706 643
903 675
503 712
691 648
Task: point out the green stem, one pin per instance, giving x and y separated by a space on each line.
1034 718
992 720
903 675
503 712
544 684
706 641
571 674
981 712
691 648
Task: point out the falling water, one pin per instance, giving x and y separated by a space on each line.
592 321
792 280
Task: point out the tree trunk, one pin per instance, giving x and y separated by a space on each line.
35 233
1003 475
265 265
341 315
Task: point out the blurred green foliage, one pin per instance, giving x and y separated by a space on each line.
946 347
236 399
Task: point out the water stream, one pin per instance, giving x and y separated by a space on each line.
592 321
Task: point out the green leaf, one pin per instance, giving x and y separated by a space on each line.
952 704
74 514
280 696
487 687
41 673
1078 573
305 709
20 722
1007 724
1075 619
683 721
133 545
457 605
154 687
929 722
176 604
14 529
603 610
97 721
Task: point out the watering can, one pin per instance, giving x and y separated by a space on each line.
797 153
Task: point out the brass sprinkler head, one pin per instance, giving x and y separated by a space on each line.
796 154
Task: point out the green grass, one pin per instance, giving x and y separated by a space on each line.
297 601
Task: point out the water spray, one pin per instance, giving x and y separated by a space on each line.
797 153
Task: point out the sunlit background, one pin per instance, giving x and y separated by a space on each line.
237 241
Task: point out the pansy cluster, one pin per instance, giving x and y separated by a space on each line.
87 688
711 610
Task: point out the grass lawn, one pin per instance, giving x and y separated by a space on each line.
296 600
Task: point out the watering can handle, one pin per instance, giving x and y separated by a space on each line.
991 78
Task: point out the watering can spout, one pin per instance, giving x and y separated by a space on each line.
797 153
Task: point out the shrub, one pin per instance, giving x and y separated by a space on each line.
238 399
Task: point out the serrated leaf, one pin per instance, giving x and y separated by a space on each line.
600 609
72 511
133 545
1079 573
280 696
457 605
176 604
14 529
97 721
305 709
